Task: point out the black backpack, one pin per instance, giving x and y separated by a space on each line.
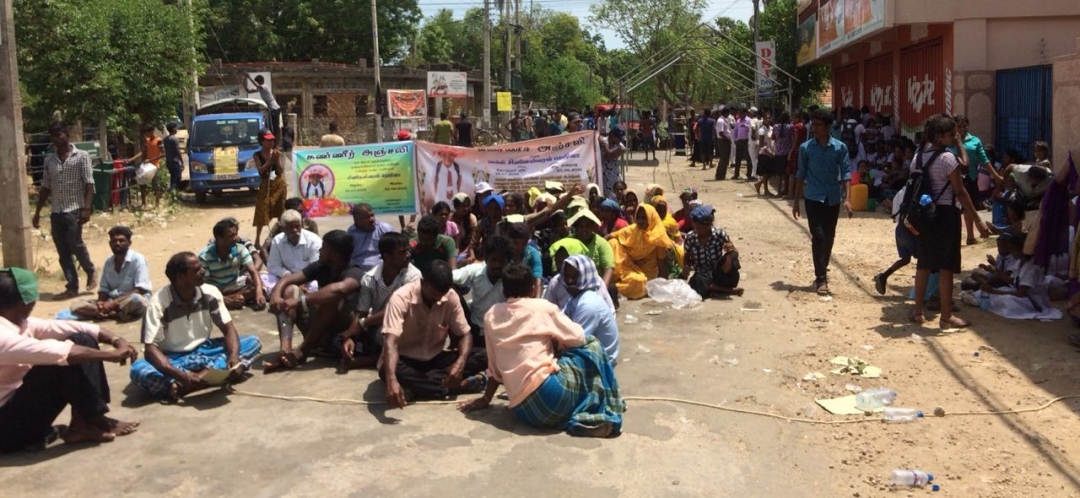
847 135
913 214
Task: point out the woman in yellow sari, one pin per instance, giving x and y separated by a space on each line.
670 225
643 251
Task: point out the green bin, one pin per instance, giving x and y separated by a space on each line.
103 174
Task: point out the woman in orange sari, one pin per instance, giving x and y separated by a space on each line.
643 251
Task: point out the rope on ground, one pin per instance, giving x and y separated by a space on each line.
745 411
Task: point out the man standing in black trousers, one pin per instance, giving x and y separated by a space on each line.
823 179
46 365
742 132
723 144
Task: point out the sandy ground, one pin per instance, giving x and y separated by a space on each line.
749 353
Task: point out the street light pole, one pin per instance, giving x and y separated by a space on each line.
487 65
757 79
378 80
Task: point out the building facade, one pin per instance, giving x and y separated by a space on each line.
323 92
990 60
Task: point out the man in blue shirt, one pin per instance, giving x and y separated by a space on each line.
824 181
366 232
125 283
706 131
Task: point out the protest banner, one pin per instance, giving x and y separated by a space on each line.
407 104
443 171
333 180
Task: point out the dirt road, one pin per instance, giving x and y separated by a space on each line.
750 353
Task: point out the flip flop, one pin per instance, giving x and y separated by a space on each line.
954 323
283 361
916 318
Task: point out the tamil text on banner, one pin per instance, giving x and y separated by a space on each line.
504 101
807 40
443 171
333 180
766 61
407 104
447 84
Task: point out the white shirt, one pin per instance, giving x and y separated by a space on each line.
483 294
285 258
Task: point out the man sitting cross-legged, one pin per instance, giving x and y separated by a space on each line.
46 365
418 319
362 342
176 333
321 315
554 375
125 283
231 268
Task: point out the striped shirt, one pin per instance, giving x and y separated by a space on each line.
824 168
175 326
67 180
225 273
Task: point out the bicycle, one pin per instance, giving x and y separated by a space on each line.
490 136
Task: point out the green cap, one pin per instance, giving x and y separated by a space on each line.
27 282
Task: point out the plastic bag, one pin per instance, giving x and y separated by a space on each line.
145 174
676 292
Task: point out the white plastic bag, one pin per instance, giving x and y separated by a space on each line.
145 174
677 292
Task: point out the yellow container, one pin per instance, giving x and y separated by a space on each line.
859 195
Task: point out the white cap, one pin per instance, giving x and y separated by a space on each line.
483 187
753 109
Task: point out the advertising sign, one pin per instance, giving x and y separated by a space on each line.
447 84
842 22
807 37
766 61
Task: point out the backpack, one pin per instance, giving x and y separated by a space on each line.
914 214
847 135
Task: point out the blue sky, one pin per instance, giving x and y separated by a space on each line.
736 9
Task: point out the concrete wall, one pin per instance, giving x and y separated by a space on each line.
931 11
974 95
1022 42
1067 97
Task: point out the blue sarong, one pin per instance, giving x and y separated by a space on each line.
210 354
582 395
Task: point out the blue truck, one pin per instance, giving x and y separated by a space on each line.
223 140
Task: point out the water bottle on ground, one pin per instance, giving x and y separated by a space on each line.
912 477
896 415
873 399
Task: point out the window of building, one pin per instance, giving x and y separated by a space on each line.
361 103
321 106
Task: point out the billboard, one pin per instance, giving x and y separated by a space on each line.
766 61
447 84
407 104
842 22
807 36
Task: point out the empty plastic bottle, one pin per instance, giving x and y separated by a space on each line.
873 399
896 415
925 200
910 477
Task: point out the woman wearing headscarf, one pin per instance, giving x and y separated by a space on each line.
611 215
630 204
670 225
712 257
589 304
557 290
643 251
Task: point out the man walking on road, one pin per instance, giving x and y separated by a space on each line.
69 182
824 180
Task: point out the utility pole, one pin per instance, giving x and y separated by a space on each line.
507 49
378 80
487 65
757 78
15 231
193 97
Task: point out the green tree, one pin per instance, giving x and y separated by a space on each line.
435 37
300 30
779 21
123 61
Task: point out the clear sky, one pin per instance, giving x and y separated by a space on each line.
735 9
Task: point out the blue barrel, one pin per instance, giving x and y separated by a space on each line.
680 144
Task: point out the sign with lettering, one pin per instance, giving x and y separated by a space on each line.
447 84
443 171
766 63
845 21
333 180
